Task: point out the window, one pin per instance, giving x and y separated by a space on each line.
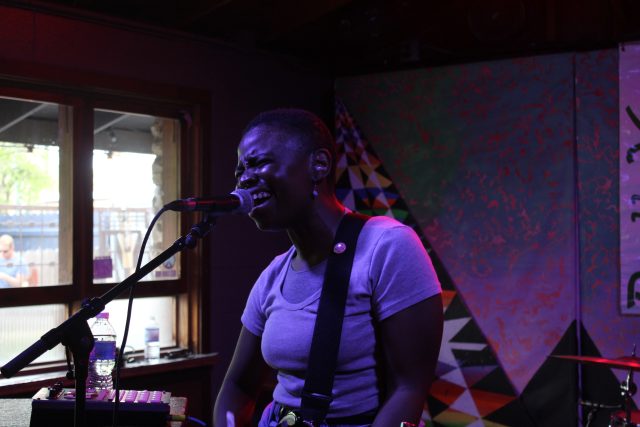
81 177
135 173
34 136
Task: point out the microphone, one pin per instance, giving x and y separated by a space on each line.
238 202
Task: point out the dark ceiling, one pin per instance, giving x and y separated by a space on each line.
358 36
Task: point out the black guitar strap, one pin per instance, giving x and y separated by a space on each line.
323 356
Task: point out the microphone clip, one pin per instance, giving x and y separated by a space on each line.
200 230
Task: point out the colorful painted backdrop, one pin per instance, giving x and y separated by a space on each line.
508 170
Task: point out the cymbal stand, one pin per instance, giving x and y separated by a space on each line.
627 389
594 408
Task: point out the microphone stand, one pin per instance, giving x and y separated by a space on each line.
75 333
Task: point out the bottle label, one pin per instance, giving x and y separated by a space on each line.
151 335
104 350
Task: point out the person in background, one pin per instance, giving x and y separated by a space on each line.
287 161
12 273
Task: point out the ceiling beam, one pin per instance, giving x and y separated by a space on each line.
109 123
23 116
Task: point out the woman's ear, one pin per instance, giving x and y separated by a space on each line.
320 164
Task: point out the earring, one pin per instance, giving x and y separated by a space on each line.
314 193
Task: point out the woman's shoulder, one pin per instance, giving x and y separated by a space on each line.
382 231
384 221
383 224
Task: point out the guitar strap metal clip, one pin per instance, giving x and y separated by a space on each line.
291 418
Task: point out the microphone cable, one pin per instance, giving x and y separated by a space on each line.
123 344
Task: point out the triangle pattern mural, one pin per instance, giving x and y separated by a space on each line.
471 388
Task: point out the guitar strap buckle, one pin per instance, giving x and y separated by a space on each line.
292 418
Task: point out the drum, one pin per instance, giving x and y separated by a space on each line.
618 419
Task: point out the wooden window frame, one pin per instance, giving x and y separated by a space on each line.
85 94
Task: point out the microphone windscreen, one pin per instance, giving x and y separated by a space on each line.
246 201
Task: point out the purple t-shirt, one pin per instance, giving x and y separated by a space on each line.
391 271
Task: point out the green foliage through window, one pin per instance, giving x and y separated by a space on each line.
23 174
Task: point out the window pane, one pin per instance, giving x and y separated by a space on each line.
135 173
35 196
22 326
162 308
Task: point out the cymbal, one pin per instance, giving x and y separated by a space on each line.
625 362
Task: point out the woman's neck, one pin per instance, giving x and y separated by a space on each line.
313 239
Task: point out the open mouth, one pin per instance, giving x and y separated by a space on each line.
260 198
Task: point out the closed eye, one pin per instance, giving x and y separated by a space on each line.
251 163
257 162
263 161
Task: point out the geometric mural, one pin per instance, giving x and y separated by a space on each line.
510 169
482 156
471 388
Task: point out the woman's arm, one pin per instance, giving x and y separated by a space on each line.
411 343
242 383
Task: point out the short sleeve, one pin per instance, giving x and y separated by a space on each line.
401 271
253 317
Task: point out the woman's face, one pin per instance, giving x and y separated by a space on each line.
275 169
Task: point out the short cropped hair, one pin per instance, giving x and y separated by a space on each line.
7 240
307 128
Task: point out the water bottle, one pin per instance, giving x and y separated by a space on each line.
152 340
102 359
